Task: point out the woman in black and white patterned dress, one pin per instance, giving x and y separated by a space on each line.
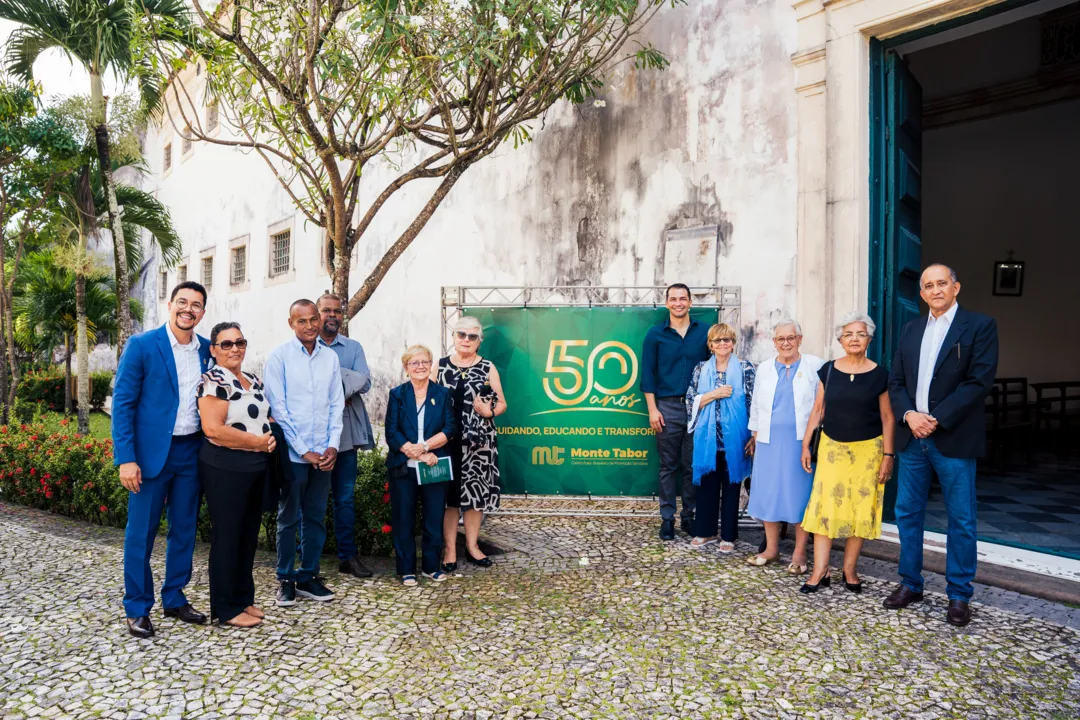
235 416
478 398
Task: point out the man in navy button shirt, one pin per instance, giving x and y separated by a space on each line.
671 352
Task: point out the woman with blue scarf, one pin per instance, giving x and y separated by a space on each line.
718 405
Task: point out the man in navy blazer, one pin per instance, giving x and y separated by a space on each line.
943 370
156 438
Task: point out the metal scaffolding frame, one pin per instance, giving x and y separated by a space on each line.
726 299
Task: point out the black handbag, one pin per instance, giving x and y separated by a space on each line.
815 437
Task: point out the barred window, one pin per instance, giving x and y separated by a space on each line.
279 252
186 147
181 274
208 272
163 285
167 157
239 265
212 116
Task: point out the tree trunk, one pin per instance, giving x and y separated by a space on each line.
116 225
83 349
342 266
4 409
67 373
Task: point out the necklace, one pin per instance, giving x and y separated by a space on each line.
462 370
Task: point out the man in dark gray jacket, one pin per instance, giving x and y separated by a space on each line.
355 434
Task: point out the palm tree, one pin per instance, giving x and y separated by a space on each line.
45 310
101 35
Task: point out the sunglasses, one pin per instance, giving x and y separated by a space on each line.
230 344
471 337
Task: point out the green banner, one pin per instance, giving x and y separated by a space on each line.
576 421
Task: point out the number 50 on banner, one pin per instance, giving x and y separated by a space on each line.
611 361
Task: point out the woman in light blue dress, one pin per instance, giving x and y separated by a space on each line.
780 488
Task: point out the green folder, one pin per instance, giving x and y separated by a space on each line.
442 471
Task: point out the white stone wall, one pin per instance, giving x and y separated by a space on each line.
710 141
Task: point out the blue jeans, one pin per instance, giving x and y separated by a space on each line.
342 487
304 508
404 494
918 461
177 489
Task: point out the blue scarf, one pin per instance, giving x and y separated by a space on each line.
733 420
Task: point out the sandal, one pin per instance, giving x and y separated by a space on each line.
758 561
726 547
796 569
409 581
699 542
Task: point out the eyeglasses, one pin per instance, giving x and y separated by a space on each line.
230 344
850 335
182 304
471 337
418 363
724 340
789 340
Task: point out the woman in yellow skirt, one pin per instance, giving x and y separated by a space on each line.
855 457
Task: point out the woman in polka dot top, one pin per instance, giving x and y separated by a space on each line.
236 421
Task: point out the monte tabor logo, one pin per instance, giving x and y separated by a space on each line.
548 456
601 382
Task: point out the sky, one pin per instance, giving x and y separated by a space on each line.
56 73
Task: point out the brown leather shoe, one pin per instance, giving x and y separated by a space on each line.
959 613
901 597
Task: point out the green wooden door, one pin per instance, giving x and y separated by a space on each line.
903 202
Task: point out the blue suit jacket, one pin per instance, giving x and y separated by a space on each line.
145 400
401 418
962 379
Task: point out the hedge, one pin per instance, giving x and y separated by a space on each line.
45 464
47 387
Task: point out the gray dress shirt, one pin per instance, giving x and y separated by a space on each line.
356 378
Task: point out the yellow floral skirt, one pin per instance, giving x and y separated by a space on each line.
846 497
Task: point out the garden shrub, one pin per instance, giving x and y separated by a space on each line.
45 464
46 388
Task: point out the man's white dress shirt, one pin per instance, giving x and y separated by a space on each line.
932 339
188 372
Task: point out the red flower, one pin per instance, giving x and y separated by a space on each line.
3 429
23 428
386 529
46 476
21 446
103 509
386 486
33 471
386 499
64 421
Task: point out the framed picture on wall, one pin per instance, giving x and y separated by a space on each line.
1009 278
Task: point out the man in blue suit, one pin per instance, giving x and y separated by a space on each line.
156 438
943 370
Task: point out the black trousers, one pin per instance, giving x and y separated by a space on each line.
717 503
234 500
405 493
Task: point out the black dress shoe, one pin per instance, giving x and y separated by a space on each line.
187 614
826 581
667 530
959 613
901 597
449 567
140 627
484 562
852 587
687 526
354 567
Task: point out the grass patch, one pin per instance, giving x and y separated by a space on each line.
100 423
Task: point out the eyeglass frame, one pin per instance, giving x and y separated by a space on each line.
231 345
418 363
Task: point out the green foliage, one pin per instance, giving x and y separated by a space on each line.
46 389
45 464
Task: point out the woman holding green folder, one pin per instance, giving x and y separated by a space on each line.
419 424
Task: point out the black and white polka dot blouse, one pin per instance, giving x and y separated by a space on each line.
249 410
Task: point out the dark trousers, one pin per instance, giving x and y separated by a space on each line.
404 494
342 489
717 501
303 508
176 489
676 448
234 501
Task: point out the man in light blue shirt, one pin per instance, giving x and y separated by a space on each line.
356 431
303 386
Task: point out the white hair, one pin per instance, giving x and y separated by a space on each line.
855 317
468 322
784 323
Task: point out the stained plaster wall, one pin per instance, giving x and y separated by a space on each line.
708 141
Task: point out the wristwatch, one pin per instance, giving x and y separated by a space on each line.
426 448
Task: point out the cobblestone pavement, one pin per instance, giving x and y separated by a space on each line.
584 618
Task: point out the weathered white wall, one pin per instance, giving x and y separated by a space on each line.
710 140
